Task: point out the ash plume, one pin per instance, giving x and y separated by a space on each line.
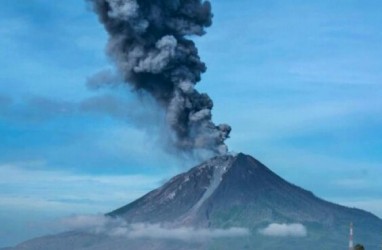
149 40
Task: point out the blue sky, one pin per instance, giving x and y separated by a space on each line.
299 81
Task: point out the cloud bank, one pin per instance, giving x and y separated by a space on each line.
284 230
116 227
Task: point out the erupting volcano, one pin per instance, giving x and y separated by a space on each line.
227 202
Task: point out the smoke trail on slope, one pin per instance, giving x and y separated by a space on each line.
149 42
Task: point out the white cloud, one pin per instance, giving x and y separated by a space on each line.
284 230
182 233
117 227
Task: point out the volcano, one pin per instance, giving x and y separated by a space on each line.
228 192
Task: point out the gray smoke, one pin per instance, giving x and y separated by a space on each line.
149 42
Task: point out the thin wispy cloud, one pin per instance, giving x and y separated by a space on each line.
99 224
354 183
284 230
41 109
83 191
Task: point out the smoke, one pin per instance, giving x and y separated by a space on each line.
103 78
149 40
117 227
31 109
284 230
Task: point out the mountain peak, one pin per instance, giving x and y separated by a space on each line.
224 184
218 184
233 191
241 155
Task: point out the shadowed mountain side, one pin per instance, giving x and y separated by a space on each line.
246 185
230 192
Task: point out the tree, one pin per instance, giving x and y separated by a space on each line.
359 247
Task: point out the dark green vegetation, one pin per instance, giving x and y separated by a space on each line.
359 247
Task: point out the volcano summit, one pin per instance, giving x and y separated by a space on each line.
227 202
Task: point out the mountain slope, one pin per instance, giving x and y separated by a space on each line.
225 183
232 191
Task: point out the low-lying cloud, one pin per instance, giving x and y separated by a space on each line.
284 230
181 233
117 227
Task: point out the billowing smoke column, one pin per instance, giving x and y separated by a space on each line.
149 41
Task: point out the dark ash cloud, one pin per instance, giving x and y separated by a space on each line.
149 40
